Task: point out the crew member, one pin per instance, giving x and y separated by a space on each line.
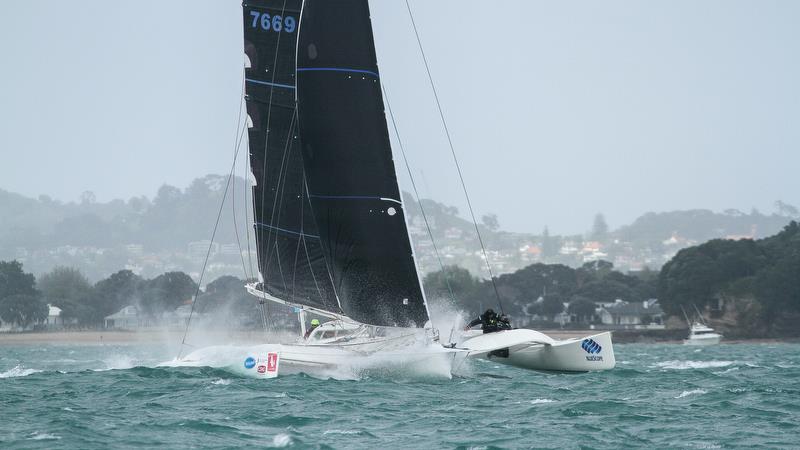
503 323
314 325
490 322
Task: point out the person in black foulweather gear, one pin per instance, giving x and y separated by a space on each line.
490 322
503 323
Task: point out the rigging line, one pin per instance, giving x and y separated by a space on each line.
248 228
281 185
455 158
208 253
327 265
238 143
304 192
267 129
416 192
294 269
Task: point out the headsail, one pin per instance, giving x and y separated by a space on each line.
290 256
349 169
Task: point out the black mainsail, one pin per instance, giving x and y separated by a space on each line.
349 168
330 225
290 256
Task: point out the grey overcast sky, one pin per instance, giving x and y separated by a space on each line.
558 110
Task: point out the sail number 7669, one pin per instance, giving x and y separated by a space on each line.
275 23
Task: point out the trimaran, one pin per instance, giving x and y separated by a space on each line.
330 224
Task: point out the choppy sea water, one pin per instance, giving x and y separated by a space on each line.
660 396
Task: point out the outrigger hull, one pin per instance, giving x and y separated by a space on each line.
529 349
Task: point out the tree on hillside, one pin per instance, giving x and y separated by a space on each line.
551 305
595 269
778 290
20 302
460 281
698 275
549 244
582 308
23 310
690 278
606 291
68 289
166 292
787 210
490 221
599 228
119 290
13 281
227 298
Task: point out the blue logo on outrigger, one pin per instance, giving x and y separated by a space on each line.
249 363
591 346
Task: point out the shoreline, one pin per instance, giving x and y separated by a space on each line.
250 336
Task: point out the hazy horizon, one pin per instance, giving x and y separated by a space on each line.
557 111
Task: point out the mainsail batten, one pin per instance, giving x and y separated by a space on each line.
350 172
290 256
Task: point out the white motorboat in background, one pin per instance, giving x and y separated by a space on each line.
702 334
699 331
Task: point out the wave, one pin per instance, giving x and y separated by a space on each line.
686 365
36 436
281 440
692 392
18 371
538 401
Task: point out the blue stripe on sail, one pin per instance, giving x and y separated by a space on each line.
336 69
357 197
347 197
267 83
297 233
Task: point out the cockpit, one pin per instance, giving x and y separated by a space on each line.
334 330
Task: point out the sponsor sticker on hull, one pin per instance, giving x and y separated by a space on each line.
593 349
266 365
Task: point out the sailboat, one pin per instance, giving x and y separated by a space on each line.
330 225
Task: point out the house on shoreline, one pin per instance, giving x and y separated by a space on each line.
622 315
131 318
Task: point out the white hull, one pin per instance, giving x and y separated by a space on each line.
331 361
529 349
703 340
702 334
